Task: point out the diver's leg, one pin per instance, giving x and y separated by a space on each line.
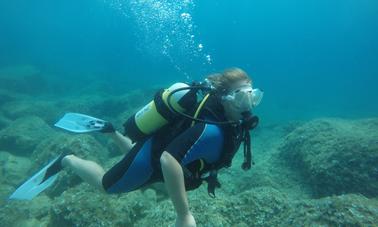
132 172
89 171
123 142
174 181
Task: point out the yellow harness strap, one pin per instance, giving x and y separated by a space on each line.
195 116
200 108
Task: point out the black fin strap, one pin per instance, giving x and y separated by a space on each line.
55 168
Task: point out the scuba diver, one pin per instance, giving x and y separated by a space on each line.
182 138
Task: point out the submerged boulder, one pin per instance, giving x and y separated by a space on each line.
254 207
107 106
13 169
26 213
336 156
46 110
344 210
82 145
85 206
265 206
23 135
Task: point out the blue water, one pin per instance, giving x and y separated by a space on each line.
312 58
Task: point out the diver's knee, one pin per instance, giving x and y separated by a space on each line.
165 158
68 160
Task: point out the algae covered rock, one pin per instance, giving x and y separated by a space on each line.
85 206
13 169
269 207
47 110
82 145
109 107
23 135
254 207
26 213
336 156
345 210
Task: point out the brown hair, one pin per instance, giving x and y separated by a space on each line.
223 81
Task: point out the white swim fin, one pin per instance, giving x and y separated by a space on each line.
39 182
80 123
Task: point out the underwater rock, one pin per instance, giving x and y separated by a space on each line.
83 146
47 110
265 206
85 206
105 106
85 104
336 156
139 98
254 207
251 208
13 169
5 191
26 213
111 106
345 210
23 135
25 79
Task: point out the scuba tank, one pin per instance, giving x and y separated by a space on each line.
158 112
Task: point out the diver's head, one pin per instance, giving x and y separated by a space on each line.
235 89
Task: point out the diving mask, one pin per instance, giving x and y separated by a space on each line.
245 98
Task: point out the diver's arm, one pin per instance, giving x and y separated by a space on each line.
123 142
174 181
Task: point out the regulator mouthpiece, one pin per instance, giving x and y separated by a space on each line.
249 121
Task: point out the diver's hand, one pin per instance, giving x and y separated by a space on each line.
108 128
186 221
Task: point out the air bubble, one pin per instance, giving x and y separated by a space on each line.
200 47
165 28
